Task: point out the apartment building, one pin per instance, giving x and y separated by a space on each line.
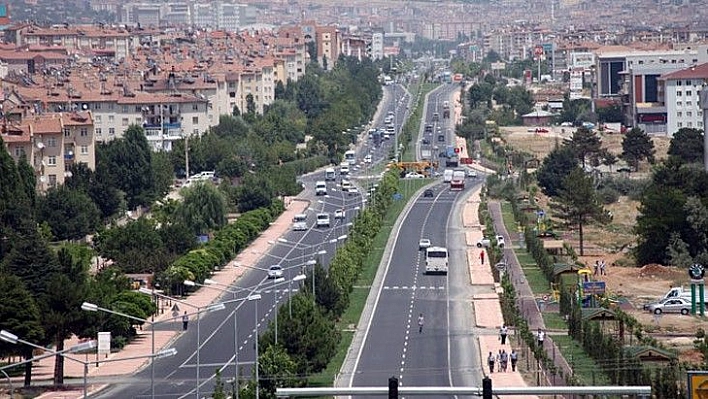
52 143
111 42
682 97
328 45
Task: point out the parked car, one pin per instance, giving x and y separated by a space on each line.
671 305
414 176
428 193
423 243
500 241
275 271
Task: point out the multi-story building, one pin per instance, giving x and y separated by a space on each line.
328 39
51 143
682 97
377 46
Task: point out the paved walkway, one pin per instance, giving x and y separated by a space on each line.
44 369
527 302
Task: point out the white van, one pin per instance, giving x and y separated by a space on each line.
344 170
321 188
330 174
447 175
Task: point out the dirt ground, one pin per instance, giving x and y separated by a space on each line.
613 242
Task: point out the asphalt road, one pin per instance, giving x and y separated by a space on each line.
445 353
176 377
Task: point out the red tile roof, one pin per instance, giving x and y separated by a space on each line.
693 72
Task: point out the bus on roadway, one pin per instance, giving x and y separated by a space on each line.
436 260
350 157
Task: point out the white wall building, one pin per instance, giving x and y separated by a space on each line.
681 90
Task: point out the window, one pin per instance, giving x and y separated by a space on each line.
688 83
138 121
689 114
679 114
51 142
98 131
67 132
19 151
83 132
97 119
84 149
679 93
196 132
195 120
52 160
678 83
689 124
124 122
679 104
111 119
138 108
97 106
689 104
679 125
689 93
699 124
111 131
125 109
195 107
52 180
111 106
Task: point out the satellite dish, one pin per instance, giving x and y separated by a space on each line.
40 145
71 153
84 107
43 179
68 173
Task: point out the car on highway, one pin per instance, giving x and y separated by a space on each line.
353 190
346 185
340 214
425 141
441 138
670 305
275 271
323 220
414 176
299 226
367 159
472 173
424 243
428 193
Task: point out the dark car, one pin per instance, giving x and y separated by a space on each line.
428 128
441 137
425 141
428 193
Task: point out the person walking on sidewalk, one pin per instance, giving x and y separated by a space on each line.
514 357
481 256
540 336
503 332
504 360
185 321
421 322
490 361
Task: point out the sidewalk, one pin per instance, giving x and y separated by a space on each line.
44 369
487 309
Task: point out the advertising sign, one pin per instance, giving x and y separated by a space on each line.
594 287
104 343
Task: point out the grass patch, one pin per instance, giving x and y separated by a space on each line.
584 367
554 321
412 127
357 299
535 277
508 218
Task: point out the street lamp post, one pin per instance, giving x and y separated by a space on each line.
297 278
90 307
200 309
14 339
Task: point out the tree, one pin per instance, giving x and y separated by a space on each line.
32 261
276 369
637 146
687 145
20 315
661 213
203 208
136 247
585 143
579 202
608 159
61 307
556 166
71 214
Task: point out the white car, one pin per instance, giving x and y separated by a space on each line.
500 241
367 159
472 173
339 214
275 271
299 226
414 176
424 243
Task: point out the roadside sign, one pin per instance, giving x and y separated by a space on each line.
104 342
501 266
538 51
697 384
594 288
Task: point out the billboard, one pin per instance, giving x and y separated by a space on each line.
581 60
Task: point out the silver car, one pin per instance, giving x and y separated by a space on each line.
671 305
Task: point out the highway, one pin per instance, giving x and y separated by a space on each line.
446 352
175 377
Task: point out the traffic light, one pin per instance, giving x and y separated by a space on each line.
393 388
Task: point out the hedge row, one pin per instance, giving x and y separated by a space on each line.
198 264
